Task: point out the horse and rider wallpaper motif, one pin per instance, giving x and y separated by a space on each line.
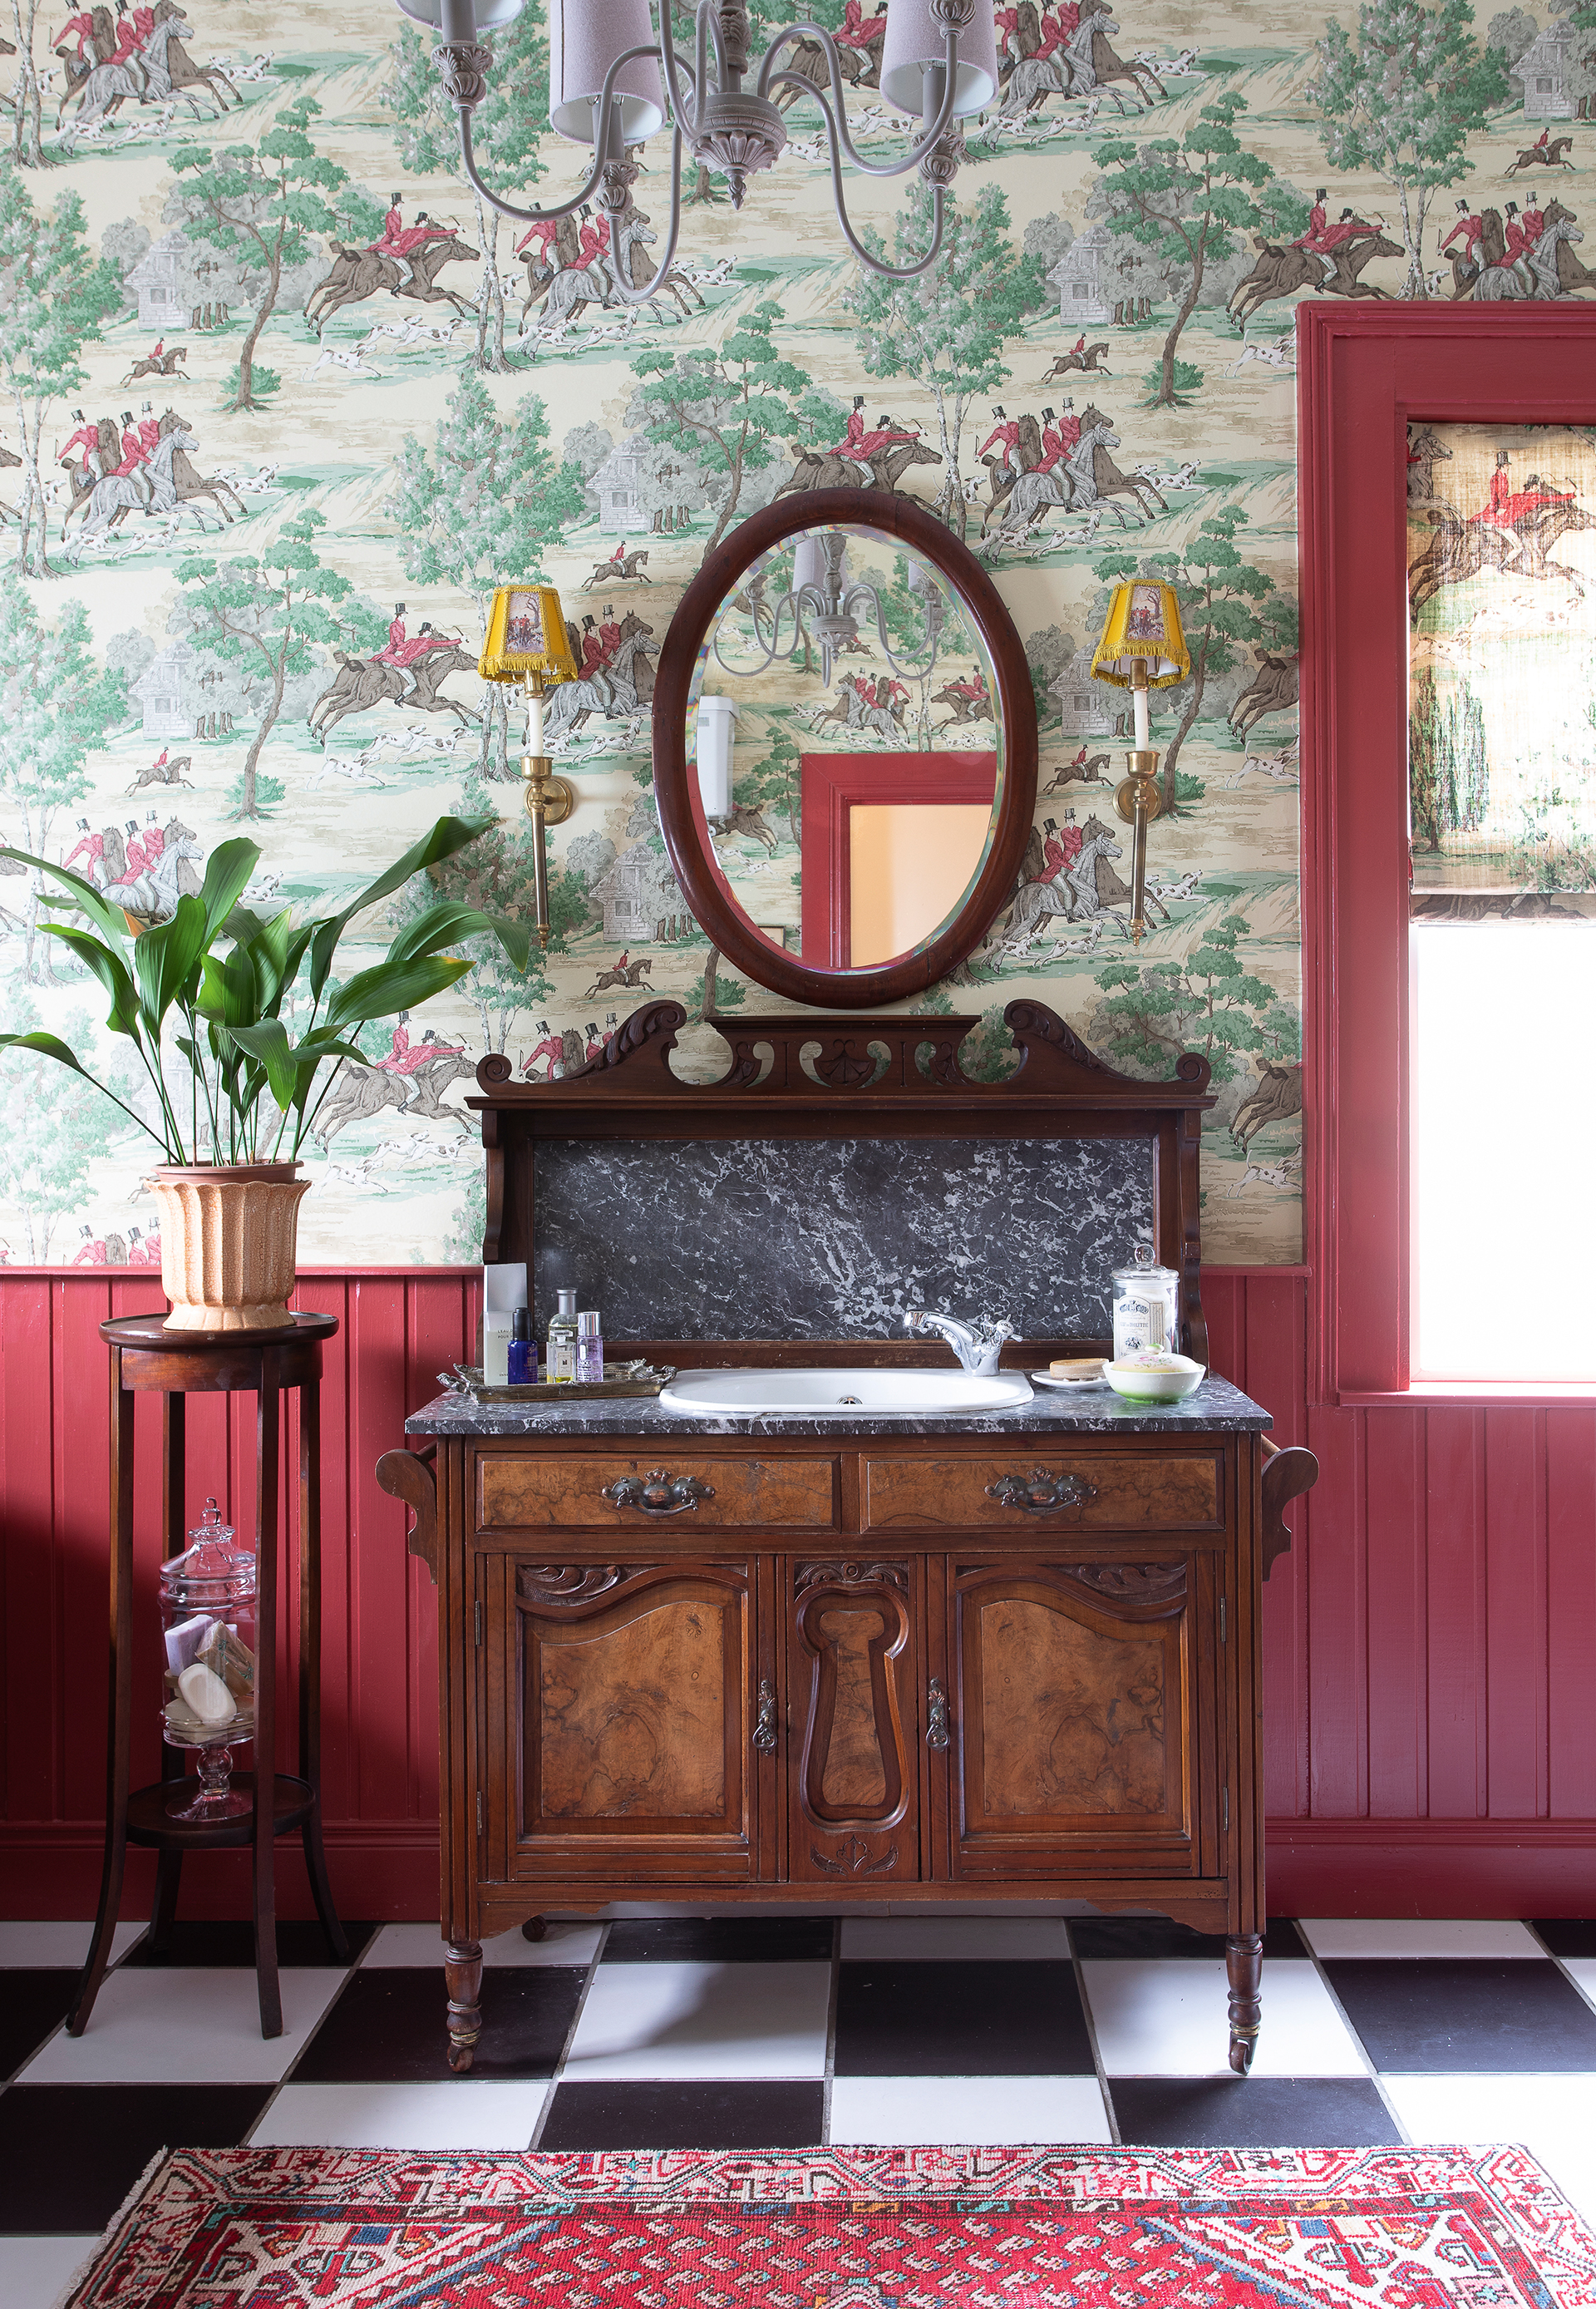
282 403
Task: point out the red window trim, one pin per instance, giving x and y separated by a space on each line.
831 785
1362 372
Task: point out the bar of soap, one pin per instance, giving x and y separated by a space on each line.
1085 1367
207 1695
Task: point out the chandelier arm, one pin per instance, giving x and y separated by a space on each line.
603 154
899 665
872 263
750 672
641 295
770 76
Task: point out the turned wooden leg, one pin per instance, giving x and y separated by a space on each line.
536 1928
463 1971
1244 1965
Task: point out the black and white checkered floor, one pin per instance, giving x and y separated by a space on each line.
745 2032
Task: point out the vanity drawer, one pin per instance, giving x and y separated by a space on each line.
1101 1493
516 1491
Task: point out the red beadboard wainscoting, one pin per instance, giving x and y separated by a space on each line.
1431 1639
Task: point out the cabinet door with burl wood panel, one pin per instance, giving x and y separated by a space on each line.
1085 1719
636 1720
856 1708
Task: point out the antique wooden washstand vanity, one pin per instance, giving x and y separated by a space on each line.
830 1658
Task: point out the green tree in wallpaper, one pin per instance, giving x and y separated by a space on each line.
1187 201
44 1170
507 132
776 780
732 405
261 204
1225 602
1207 1002
56 708
56 298
1448 772
481 509
1402 97
27 95
946 330
264 612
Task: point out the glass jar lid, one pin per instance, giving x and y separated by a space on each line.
213 1568
1146 1269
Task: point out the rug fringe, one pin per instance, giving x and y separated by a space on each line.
118 2221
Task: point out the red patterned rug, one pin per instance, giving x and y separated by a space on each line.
850 2228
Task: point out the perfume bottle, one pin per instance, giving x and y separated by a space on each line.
590 1347
521 1363
561 1338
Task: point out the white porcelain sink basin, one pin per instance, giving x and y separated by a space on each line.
842 1394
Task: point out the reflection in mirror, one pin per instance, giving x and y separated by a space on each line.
847 748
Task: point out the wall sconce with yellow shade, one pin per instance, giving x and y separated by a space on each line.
527 641
1142 648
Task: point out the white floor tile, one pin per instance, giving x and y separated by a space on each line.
186 2027
1330 1936
988 1938
441 2116
702 2020
1553 2117
34 2269
1169 2019
1582 1971
981 2111
419 1945
61 1947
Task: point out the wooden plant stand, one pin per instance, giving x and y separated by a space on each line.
146 1357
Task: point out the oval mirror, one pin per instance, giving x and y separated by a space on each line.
844 748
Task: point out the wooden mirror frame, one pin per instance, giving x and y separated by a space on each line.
727 928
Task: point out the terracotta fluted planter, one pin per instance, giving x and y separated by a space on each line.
228 1239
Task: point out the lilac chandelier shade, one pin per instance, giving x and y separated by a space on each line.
914 39
458 19
584 38
808 564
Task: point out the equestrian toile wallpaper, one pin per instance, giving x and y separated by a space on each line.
281 404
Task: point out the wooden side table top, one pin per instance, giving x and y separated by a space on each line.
154 1357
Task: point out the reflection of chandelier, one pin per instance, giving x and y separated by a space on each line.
825 608
939 60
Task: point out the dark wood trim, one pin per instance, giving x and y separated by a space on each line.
727 927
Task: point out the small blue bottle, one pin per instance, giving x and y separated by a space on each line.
522 1355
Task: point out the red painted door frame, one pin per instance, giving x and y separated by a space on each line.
1363 371
832 784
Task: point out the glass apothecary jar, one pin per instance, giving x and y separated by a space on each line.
1146 1307
208 1624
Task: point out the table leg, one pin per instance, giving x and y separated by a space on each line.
462 1974
268 1408
169 1871
1244 1965
310 1658
118 1730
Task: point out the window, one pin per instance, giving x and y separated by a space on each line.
1449 900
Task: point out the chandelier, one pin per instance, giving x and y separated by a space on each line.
823 603
613 84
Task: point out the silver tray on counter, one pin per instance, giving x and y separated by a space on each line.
623 1380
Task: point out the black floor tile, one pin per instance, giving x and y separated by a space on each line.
968 2018
698 2115
231 1943
389 2027
1465 2013
69 2154
1251 2113
1567 1935
1159 1936
721 1939
33 2005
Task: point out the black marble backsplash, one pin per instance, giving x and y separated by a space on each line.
836 1237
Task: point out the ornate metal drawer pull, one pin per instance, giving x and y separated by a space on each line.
1040 1493
765 1722
658 1492
937 1731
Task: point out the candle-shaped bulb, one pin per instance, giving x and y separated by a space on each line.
534 721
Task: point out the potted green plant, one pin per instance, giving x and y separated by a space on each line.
203 997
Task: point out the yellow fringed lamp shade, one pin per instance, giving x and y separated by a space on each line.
1144 621
526 634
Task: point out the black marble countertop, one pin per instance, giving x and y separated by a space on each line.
1215 1406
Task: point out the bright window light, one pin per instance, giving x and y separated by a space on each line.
1502 1149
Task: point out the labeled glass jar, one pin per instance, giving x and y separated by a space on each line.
208 1628
1146 1307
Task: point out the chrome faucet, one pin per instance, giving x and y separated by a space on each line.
977 1345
